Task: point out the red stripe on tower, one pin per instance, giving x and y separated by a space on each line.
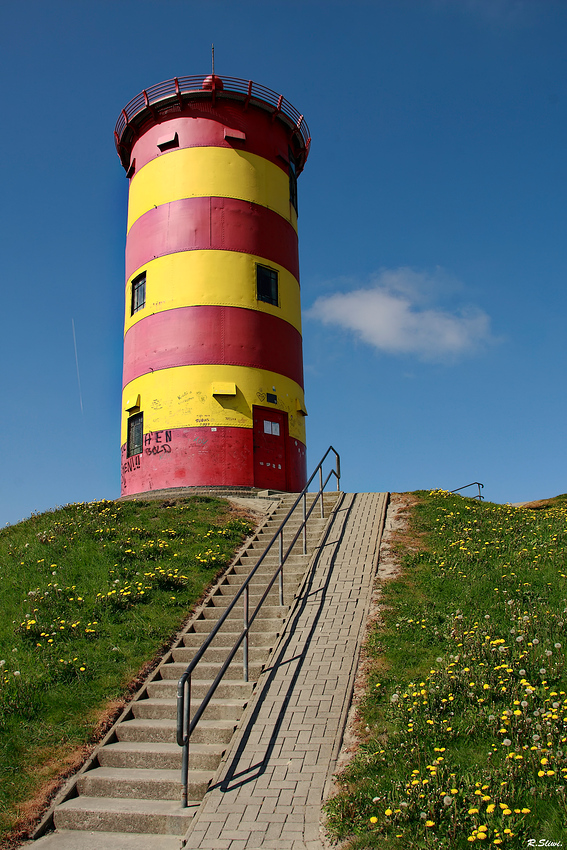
222 224
232 336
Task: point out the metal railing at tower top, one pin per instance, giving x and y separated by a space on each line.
182 90
185 724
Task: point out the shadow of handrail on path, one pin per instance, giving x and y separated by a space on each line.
233 779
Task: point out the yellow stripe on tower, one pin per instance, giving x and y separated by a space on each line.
182 397
184 280
210 172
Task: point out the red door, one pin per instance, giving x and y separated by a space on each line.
270 436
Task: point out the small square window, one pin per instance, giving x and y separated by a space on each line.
135 435
267 285
138 293
271 428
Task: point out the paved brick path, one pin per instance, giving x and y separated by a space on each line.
275 774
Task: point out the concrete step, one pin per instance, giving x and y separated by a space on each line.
295 563
226 638
107 814
227 689
258 548
78 840
158 756
165 731
142 784
209 669
229 591
314 529
291 576
268 531
186 654
297 516
218 605
163 709
269 625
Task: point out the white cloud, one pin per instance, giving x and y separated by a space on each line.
395 314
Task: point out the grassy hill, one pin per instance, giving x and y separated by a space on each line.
90 594
464 723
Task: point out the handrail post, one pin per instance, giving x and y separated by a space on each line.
245 643
321 491
280 581
185 754
305 523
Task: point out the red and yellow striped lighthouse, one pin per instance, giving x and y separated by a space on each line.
213 366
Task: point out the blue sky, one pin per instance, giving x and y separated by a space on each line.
433 214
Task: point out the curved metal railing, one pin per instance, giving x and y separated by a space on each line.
186 724
183 89
478 496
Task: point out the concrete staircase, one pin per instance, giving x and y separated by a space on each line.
128 793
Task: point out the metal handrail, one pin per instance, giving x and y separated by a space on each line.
473 484
185 724
183 89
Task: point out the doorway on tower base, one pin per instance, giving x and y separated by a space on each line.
270 441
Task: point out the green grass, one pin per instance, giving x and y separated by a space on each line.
466 700
91 593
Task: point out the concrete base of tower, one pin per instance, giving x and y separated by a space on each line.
215 457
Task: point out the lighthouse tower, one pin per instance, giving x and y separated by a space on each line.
213 366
